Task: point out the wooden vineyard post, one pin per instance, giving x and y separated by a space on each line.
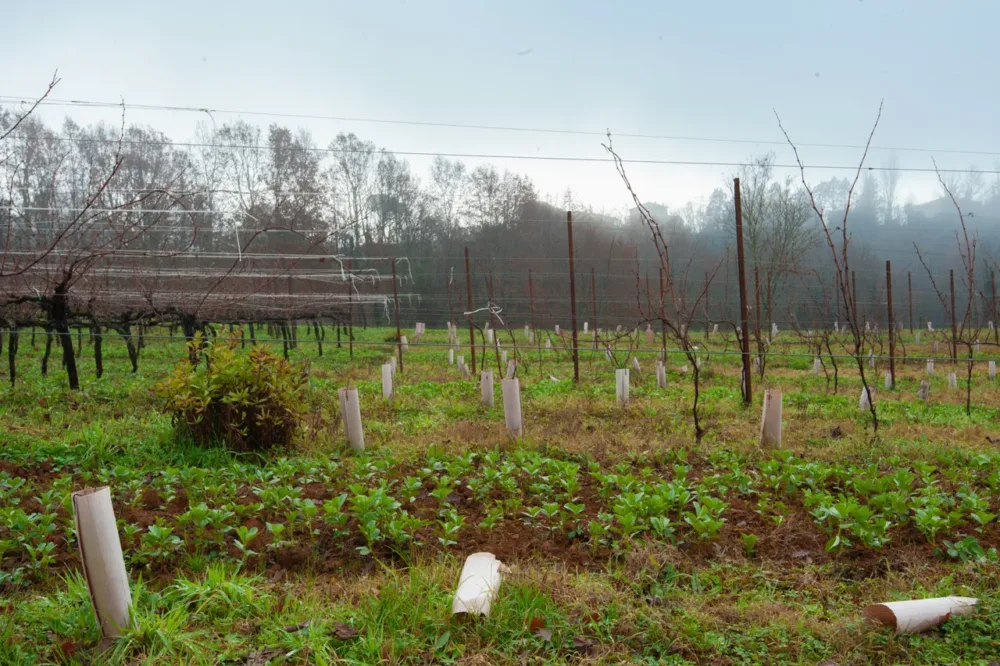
472 326
572 299
744 324
909 291
854 298
350 311
395 300
593 298
993 305
756 292
493 337
892 323
663 319
954 328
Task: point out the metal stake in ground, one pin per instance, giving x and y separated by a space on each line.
395 298
909 290
593 297
350 311
892 323
744 324
493 326
954 328
472 326
572 298
993 305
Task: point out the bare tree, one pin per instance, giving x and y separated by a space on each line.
968 329
840 253
677 311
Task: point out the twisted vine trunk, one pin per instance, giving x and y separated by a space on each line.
12 343
60 324
98 337
47 353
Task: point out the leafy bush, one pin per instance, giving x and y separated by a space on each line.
248 401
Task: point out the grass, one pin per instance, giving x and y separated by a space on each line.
629 542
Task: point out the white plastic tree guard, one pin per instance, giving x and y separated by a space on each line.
888 381
557 330
101 556
817 365
930 327
486 382
930 366
866 397
511 389
952 380
993 369
770 419
387 381
661 375
350 411
478 584
621 385
404 343
635 364
395 364
489 335
511 368
451 357
586 326
650 336
918 337
715 328
925 390
911 617
503 357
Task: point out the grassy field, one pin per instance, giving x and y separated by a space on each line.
629 542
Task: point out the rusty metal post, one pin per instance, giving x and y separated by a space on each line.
909 291
854 299
756 288
993 308
531 302
649 300
707 329
954 328
395 298
663 317
744 324
892 324
493 326
593 297
472 326
447 288
350 311
534 332
572 298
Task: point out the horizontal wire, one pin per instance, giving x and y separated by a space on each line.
8 99
488 348
501 156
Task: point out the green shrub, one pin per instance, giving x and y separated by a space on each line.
249 401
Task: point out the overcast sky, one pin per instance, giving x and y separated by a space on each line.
715 69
